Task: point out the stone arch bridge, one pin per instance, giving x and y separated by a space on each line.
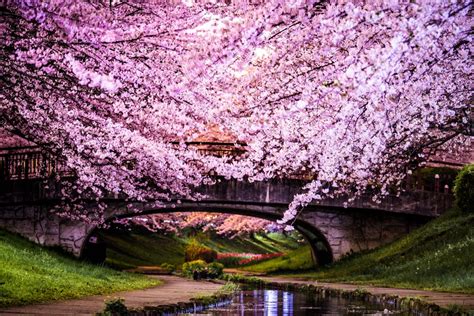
331 229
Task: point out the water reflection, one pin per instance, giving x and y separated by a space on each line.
287 303
269 302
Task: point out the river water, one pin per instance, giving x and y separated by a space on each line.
269 302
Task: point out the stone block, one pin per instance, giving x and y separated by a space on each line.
346 246
25 227
51 240
29 212
39 238
335 233
341 221
73 233
8 213
38 227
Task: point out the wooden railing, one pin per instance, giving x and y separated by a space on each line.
28 163
23 163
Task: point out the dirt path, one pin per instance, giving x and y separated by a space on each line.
442 299
174 290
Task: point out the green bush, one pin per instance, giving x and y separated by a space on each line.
464 189
215 269
190 267
200 270
195 251
114 306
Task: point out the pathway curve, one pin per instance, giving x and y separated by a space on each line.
174 290
442 299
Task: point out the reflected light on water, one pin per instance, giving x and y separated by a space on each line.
270 302
287 303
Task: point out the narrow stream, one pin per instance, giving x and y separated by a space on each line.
285 303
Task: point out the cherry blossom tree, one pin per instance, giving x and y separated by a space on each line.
352 95
91 83
356 95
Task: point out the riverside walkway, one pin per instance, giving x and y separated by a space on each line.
174 290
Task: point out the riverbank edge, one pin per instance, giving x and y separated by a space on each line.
411 304
194 305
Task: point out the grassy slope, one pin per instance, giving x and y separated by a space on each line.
264 243
299 259
437 256
29 274
128 249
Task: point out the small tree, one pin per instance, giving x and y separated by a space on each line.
464 189
195 251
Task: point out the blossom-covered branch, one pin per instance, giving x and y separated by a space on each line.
352 95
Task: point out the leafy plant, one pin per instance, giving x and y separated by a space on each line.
200 269
195 251
193 266
215 269
114 306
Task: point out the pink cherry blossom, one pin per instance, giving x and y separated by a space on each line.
348 95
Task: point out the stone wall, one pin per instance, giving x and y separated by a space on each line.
355 231
40 226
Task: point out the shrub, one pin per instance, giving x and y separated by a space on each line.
215 269
198 269
464 189
114 306
195 251
190 267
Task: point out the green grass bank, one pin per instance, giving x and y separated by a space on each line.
295 260
31 274
438 256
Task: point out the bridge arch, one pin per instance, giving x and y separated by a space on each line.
93 248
